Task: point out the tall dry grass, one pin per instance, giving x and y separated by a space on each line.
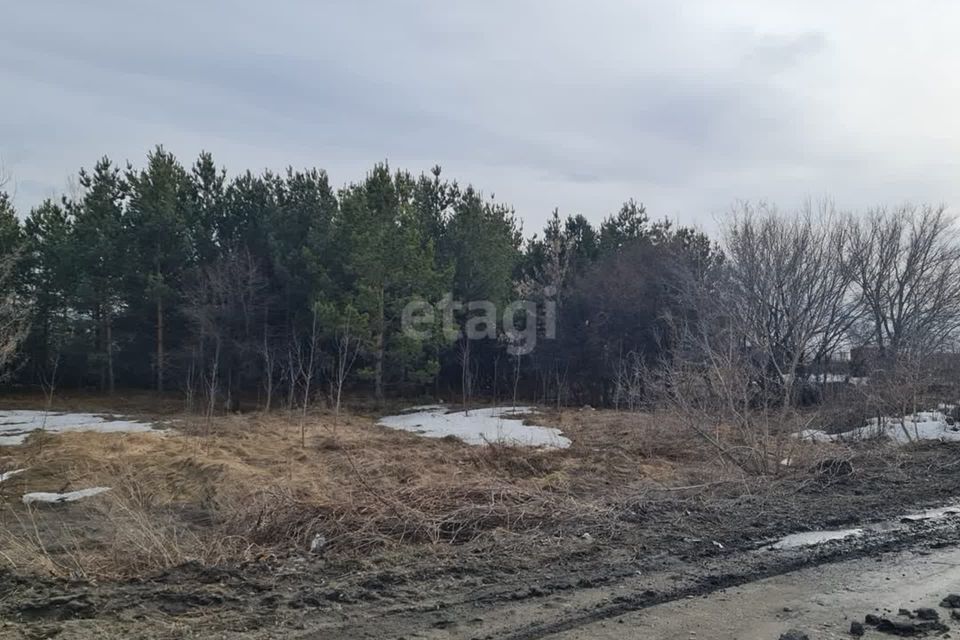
247 489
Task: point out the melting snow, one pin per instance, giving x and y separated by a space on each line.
923 425
477 426
69 496
6 475
15 426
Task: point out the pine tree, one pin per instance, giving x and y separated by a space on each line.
207 209
387 264
299 237
629 224
49 279
158 225
481 242
101 257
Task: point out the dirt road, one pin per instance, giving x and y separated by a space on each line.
757 593
822 601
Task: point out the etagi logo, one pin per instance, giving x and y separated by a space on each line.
520 325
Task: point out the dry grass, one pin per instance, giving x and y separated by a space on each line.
248 489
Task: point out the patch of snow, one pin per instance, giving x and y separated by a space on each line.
69 496
6 475
923 425
15 426
813 538
478 426
318 543
827 378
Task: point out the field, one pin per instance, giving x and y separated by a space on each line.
283 525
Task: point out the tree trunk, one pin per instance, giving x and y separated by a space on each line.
336 410
212 388
378 368
268 359
466 379
111 386
159 344
378 353
516 380
98 322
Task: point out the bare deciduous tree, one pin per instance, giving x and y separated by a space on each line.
268 352
14 310
713 381
628 381
907 268
347 341
782 301
224 302
791 292
304 360
547 284
907 280
466 370
789 283
15 315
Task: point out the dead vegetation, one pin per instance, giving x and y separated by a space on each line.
249 489
243 490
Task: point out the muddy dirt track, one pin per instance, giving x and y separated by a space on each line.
824 601
666 549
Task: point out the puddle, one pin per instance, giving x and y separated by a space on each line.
813 538
477 426
16 425
932 514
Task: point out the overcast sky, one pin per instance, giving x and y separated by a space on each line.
685 106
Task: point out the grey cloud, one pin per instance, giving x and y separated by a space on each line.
545 103
778 53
